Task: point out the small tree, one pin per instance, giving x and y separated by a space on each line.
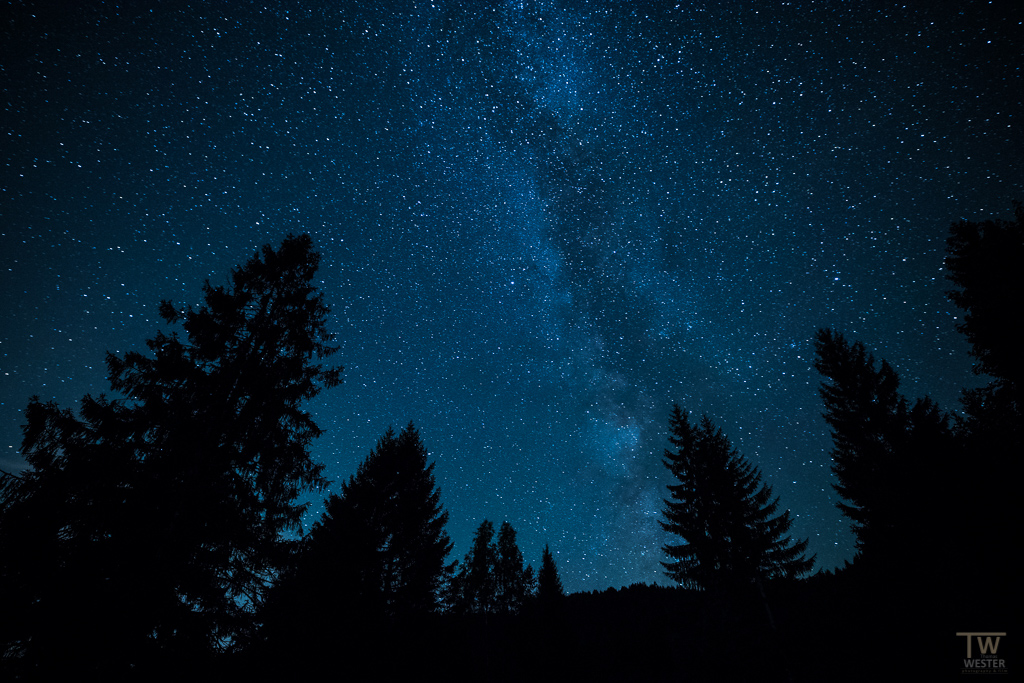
549 586
723 513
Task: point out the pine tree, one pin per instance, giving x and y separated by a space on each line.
170 503
724 514
549 586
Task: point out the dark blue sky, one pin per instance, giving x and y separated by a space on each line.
542 223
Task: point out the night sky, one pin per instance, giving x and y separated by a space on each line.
542 223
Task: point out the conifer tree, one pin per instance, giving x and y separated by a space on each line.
982 259
492 579
549 585
879 443
510 576
724 514
474 588
384 533
168 505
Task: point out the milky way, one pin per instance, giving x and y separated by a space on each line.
543 223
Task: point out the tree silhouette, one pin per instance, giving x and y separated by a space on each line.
474 587
723 513
161 514
389 526
549 585
880 443
492 578
510 576
982 259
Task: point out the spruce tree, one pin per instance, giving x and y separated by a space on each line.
724 514
492 578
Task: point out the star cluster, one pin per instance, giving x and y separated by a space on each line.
542 223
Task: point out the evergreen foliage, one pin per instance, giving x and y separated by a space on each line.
474 587
549 585
982 259
510 576
158 518
879 439
491 579
389 524
723 513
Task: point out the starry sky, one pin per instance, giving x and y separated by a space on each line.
542 223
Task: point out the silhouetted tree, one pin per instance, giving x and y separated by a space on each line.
549 585
161 515
388 526
889 457
982 260
724 514
510 576
529 582
10 489
474 587
492 579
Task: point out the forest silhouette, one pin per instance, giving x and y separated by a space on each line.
156 533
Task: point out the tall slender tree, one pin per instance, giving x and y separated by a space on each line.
492 578
474 587
511 577
549 585
724 514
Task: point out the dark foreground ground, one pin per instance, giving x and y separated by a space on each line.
827 628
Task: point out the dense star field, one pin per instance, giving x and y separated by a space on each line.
542 224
